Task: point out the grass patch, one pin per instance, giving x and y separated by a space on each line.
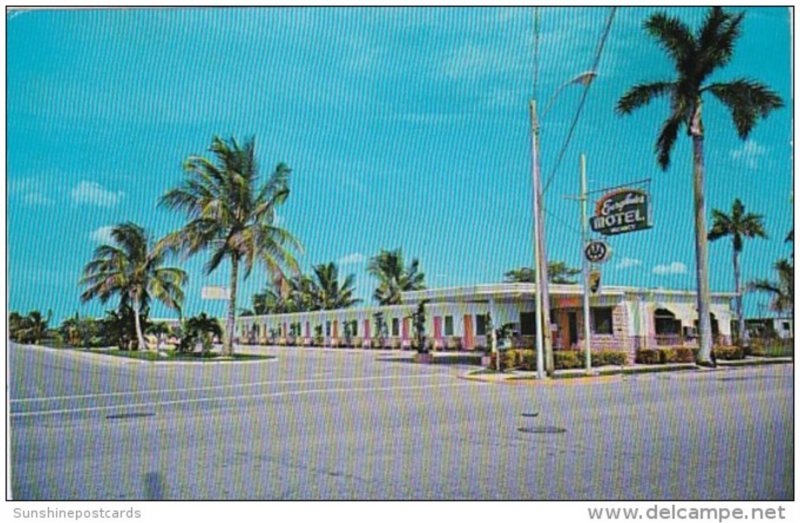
752 362
177 356
774 351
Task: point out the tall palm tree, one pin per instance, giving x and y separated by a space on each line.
132 270
329 294
232 216
394 277
695 57
782 291
557 272
738 225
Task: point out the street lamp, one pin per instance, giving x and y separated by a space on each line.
544 336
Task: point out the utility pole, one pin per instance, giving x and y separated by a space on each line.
540 254
587 339
537 245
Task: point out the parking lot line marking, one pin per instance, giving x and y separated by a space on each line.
233 398
216 387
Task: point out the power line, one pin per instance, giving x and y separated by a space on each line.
598 55
564 222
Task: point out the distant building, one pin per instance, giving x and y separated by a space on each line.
774 327
622 318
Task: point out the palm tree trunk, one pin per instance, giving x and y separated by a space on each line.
738 281
701 245
230 324
137 321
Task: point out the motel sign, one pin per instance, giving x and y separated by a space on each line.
621 211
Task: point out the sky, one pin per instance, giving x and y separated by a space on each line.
404 128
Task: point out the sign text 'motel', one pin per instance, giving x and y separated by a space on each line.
621 211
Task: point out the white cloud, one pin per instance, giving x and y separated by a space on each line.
749 152
626 263
352 259
92 193
472 61
37 198
672 268
102 234
32 191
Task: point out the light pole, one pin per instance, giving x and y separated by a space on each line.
544 336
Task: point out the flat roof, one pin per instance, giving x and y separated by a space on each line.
483 292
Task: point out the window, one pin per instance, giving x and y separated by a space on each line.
602 321
527 323
480 324
448 325
395 327
327 328
786 326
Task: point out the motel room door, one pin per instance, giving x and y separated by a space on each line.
469 343
572 321
437 328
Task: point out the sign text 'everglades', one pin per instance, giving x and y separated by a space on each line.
621 211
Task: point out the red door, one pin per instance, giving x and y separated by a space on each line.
405 329
469 342
366 330
437 328
335 329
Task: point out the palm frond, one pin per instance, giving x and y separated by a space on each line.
667 138
716 41
675 38
747 100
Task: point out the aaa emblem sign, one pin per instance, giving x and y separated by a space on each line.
621 211
597 251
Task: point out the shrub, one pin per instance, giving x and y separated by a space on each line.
568 359
668 355
729 353
684 355
648 356
607 357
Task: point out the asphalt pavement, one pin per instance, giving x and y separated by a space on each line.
353 424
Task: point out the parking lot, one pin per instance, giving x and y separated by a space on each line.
353 424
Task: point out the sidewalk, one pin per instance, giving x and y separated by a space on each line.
490 376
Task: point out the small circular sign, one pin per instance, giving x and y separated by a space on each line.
597 251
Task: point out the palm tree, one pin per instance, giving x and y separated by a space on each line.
738 225
696 56
29 329
232 216
328 293
394 277
134 272
557 272
782 291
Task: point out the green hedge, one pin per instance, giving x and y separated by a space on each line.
525 359
648 356
685 354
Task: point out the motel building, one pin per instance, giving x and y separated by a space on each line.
622 318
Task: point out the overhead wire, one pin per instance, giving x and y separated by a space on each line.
587 86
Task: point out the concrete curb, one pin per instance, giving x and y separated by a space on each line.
503 377
122 360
